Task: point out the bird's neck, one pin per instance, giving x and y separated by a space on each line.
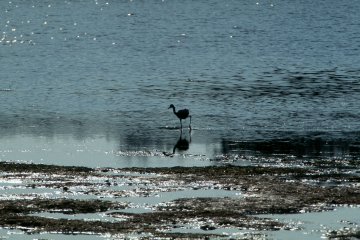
174 110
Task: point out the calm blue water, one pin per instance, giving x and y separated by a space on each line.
248 70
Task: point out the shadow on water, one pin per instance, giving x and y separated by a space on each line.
311 148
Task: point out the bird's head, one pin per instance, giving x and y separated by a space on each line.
171 106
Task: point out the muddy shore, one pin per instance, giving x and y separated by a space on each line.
264 190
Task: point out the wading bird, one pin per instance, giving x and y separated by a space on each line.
181 114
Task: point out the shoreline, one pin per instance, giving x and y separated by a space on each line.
82 190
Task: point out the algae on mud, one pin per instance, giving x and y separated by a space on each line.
265 190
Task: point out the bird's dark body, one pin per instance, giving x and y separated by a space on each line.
181 114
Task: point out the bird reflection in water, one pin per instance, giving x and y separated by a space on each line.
182 144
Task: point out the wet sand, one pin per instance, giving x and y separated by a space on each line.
33 192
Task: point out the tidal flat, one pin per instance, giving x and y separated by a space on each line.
213 202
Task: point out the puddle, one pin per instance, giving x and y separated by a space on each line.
20 235
85 216
225 233
148 204
316 225
311 226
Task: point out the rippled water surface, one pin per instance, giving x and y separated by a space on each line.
257 72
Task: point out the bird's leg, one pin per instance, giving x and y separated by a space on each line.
190 123
180 124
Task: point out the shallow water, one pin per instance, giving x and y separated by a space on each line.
247 70
309 226
98 151
317 225
89 83
18 234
